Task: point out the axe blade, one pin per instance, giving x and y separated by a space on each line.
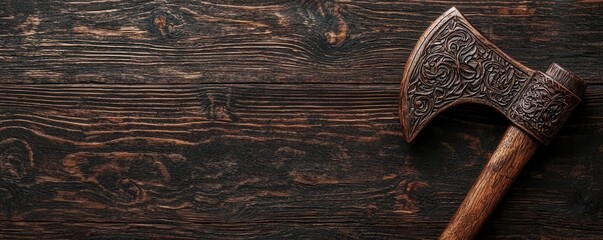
451 64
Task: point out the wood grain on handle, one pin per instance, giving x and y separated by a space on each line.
512 153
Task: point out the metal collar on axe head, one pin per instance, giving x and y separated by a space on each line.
453 64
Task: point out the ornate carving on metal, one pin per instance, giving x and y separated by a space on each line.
454 64
543 106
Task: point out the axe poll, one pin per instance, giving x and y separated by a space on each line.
452 64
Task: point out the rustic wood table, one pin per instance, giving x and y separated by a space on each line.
137 119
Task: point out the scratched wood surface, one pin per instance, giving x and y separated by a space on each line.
271 120
325 41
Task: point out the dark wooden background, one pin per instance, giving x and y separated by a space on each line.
273 119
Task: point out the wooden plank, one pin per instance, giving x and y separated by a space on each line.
272 41
272 162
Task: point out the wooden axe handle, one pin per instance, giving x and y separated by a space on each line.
512 153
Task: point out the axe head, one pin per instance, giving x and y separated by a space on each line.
453 63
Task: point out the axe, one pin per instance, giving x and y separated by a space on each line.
452 64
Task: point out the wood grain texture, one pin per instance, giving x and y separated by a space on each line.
156 119
273 41
297 161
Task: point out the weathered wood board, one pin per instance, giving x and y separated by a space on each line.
271 120
273 41
241 161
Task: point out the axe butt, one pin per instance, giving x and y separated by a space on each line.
512 153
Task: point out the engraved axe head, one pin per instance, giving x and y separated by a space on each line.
453 63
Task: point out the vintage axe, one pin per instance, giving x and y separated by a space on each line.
453 64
